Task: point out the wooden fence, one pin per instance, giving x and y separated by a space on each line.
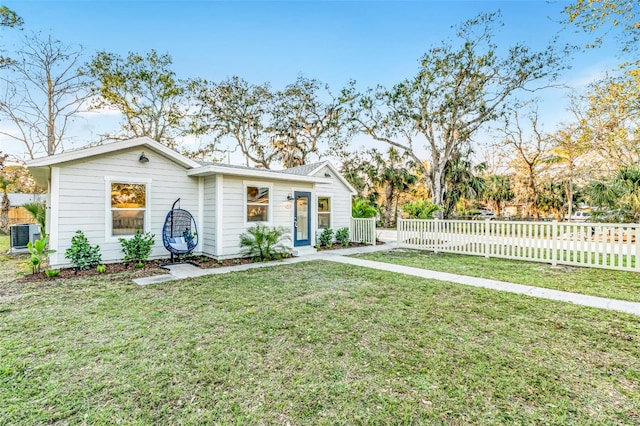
596 245
19 215
363 230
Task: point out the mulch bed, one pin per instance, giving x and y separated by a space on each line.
153 267
351 245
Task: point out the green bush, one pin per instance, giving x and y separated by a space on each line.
52 273
420 209
137 248
264 243
326 237
342 237
101 269
81 254
39 252
363 209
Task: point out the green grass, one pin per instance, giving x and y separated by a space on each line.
310 343
591 281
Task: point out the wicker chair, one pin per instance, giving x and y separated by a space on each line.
179 233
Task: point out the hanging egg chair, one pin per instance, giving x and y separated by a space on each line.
179 233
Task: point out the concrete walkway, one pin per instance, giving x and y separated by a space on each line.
188 271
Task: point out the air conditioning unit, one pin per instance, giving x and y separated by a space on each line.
22 234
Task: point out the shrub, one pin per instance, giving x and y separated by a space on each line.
137 248
39 252
342 237
326 237
420 209
52 273
101 269
264 243
81 254
363 209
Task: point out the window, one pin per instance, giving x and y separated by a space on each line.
324 212
128 208
257 204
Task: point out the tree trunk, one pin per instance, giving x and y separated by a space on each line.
437 189
4 213
51 133
389 195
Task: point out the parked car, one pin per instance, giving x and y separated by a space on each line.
581 216
485 214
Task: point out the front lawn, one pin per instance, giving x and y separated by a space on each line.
310 343
592 281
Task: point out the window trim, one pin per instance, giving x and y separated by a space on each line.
245 204
330 212
108 216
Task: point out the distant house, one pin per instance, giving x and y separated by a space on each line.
17 214
111 190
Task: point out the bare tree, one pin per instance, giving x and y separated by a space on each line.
43 91
530 146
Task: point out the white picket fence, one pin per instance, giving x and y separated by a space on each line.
363 230
596 245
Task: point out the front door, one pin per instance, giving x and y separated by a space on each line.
302 219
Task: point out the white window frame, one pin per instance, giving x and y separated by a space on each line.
245 204
330 212
108 215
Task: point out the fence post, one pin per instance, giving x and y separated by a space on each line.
486 238
372 225
436 235
399 231
554 242
636 234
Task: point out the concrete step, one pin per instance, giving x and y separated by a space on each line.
303 251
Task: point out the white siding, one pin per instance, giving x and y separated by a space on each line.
82 201
208 233
234 209
340 199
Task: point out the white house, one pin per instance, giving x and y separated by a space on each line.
109 191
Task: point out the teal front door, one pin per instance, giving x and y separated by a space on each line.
301 219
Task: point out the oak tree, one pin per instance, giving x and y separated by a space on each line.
459 88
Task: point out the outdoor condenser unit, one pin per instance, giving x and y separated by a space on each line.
22 234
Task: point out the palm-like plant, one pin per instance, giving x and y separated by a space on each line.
361 208
552 198
461 182
263 243
497 191
420 209
622 192
39 213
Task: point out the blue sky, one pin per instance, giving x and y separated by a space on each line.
371 42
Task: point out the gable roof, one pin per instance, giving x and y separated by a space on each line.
85 152
306 169
312 169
